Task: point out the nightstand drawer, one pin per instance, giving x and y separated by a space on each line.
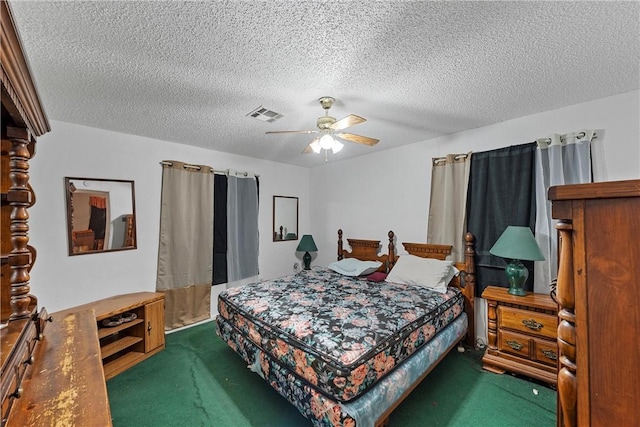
541 324
546 352
514 343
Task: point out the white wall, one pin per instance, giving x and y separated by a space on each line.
61 281
389 190
366 197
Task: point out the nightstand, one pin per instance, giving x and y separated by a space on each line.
522 334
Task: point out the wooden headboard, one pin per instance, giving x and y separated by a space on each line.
465 281
368 250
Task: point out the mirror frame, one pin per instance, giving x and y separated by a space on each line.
70 215
276 231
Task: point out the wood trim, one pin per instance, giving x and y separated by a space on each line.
596 190
384 418
427 250
17 83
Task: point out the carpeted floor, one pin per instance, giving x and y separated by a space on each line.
199 381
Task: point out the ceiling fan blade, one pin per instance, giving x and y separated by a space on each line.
292 131
308 148
358 139
350 120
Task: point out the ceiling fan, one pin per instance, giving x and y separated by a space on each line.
329 128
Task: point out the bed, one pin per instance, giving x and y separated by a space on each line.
345 349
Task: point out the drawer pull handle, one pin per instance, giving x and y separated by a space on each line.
550 354
532 324
515 345
18 393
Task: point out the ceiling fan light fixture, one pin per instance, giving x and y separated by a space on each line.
337 146
327 142
315 146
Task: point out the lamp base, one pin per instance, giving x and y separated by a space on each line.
517 292
517 274
306 258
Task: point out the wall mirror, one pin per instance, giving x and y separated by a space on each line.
101 215
285 218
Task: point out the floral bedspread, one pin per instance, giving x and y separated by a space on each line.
340 334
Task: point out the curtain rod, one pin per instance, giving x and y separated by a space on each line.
579 135
225 172
456 157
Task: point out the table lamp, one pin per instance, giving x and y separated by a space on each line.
517 243
307 245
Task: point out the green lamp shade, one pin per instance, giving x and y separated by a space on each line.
307 245
517 243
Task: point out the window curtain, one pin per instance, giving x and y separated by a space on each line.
501 193
447 211
242 230
220 229
186 243
98 220
560 159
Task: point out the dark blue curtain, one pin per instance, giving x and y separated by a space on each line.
219 229
501 193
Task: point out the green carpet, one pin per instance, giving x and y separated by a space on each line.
199 381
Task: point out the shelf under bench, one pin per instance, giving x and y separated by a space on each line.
130 342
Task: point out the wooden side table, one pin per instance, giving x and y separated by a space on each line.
522 334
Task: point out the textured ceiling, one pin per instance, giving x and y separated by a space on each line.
190 72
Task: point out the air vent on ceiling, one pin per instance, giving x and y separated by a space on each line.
264 115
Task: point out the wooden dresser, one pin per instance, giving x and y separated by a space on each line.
599 298
522 334
23 120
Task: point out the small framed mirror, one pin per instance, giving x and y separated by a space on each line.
285 218
101 215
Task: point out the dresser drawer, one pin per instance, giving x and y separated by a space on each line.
541 324
19 359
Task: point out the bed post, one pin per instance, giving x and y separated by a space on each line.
470 286
340 244
391 259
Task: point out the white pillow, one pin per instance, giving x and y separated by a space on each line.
354 267
428 272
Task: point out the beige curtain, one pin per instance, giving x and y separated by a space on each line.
447 220
185 255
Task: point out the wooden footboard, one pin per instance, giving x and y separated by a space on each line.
384 418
